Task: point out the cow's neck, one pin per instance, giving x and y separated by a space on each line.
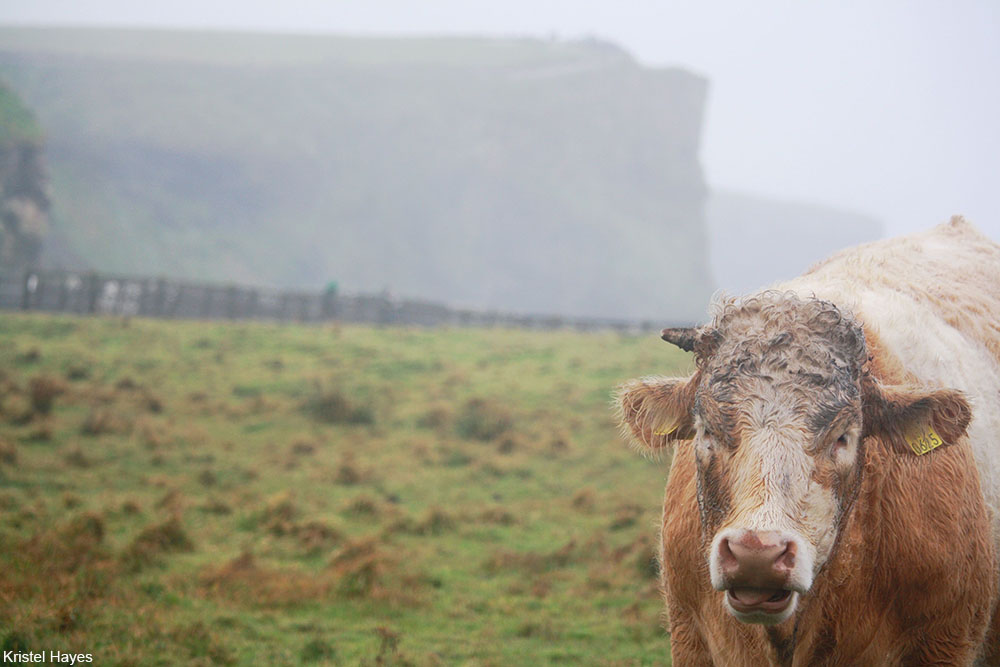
860 576
855 564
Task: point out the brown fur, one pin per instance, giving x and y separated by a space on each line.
893 594
644 406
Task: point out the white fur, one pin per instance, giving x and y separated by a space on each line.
773 455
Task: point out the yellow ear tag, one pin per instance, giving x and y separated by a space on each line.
666 431
923 439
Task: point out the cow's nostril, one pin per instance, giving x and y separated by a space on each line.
786 560
727 559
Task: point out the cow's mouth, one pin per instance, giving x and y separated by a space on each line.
746 600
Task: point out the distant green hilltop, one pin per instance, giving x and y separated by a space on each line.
17 122
518 174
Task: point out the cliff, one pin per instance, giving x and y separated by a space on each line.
525 175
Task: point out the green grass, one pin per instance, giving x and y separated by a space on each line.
253 494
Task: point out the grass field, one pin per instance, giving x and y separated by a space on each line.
191 493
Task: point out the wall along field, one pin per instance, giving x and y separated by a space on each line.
178 492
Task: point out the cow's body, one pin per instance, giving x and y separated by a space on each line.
912 574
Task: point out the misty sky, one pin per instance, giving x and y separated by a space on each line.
890 108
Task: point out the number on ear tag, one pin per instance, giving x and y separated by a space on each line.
923 439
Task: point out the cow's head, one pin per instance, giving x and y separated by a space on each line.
779 411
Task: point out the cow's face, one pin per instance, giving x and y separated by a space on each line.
777 447
779 413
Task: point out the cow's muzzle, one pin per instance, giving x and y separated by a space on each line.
760 573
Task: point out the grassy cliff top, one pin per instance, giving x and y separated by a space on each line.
222 47
17 122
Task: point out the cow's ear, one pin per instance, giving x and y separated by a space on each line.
657 410
913 419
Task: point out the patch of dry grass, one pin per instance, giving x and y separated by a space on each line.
155 541
332 406
245 581
42 392
102 421
531 562
483 419
8 452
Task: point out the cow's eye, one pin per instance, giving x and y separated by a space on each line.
841 443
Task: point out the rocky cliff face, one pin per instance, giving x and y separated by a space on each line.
521 175
24 201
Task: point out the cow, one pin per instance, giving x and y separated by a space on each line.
834 486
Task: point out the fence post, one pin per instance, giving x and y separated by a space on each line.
93 286
40 291
146 297
230 306
119 305
159 297
63 293
26 290
303 308
283 306
173 297
329 307
253 303
206 303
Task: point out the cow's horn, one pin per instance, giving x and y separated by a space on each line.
682 337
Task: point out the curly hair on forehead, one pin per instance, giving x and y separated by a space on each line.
773 325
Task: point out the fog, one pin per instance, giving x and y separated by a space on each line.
887 109
593 160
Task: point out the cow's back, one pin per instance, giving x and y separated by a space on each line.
951 271
931 302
